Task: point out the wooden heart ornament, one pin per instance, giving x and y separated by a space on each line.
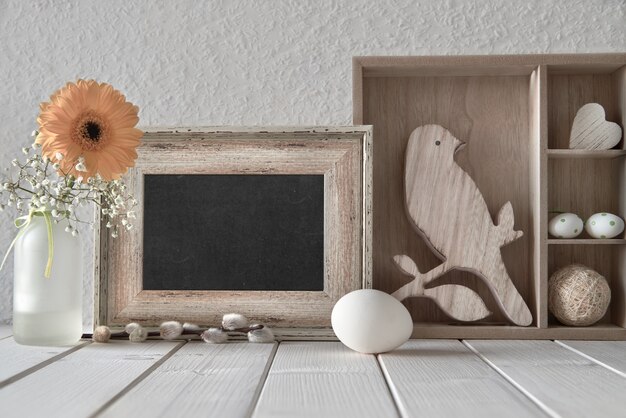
591 130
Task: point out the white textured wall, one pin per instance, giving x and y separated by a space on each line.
254 62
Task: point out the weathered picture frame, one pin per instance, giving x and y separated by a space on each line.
341 154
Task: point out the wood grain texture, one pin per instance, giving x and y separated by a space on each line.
484 65
618 290
611 354
459 302
324 379
448 210
538 193
601 331
567 93
572 188
586 241
466 106
466 94
83 381
340 154
443 378
200 380
585 154
591 130
17 359
563 383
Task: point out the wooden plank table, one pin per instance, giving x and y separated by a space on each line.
434 378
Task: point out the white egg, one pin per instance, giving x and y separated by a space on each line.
371 321
565 225
604 225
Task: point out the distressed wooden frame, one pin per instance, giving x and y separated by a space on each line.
341 154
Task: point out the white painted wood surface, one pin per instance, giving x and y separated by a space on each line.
560 381
324 379
610 354
5 331
428 378
19 359
201 380
82 382
443 378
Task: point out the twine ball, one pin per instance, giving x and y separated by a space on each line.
578 295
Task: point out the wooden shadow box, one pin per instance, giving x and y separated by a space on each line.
515 113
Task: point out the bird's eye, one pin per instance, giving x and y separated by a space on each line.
437 143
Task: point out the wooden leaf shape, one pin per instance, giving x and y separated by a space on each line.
459 302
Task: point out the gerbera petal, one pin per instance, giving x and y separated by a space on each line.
110 163
126 156
125 121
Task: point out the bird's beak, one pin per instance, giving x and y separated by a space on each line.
459 145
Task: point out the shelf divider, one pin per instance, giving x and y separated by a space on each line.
538 99
586 241
585 154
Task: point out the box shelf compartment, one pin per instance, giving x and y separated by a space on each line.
604 260
501 106
588 181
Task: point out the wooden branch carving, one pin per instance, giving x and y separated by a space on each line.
449 212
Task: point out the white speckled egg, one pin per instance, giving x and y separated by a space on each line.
565 225
370 321
604 225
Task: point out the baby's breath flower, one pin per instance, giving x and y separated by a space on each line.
34 133
39 184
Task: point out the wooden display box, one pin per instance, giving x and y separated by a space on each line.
515 113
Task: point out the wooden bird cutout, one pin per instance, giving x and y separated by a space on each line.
449 212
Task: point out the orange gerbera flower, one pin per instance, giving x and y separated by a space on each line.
89 129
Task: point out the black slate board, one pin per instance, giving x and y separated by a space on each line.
233 232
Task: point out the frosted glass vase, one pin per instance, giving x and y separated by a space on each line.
47 311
